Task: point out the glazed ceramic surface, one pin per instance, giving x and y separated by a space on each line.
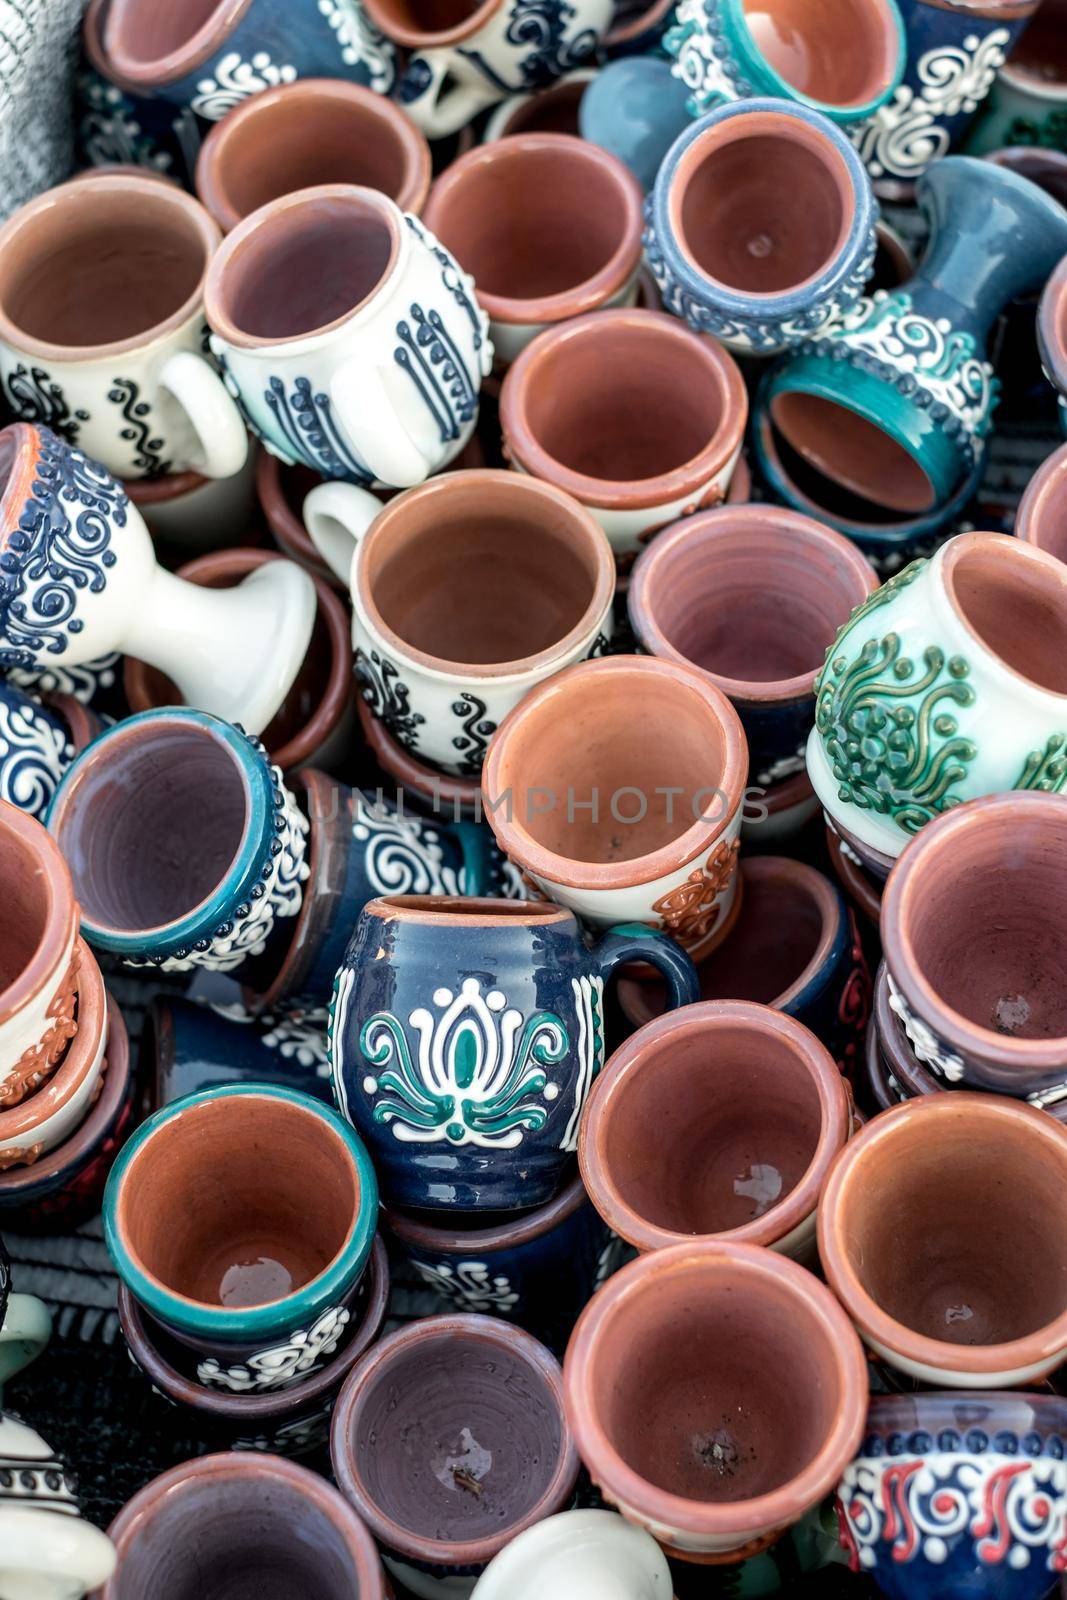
635 108
1052 335
47 1551
764 264
1027 105
187 513
371 375
187 1046
550 110
25 1326
591 1553
465 1035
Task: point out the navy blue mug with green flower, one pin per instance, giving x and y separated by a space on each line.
465 1035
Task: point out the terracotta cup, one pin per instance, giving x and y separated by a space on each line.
942 1285
716 1392
242 1522
974 927
632 414
617 787
547 225
300 135
449 1438
1042 515
550 110
713 591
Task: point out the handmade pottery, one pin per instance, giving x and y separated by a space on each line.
117 369
163 879
894 402
955 1496
300 135
595 1554
266 1525
47 1550
635 108
1024 387
712 592
25 1326
468 593
367 372
547 225
935 1295
440 1405
188 514
35 750
1042 515
464 1029
188 1045
863 888
446 797
1028 102
617 787
465 58
228 1255
638 454
537 1268
971 639
289 1421
212 56
716 1392
760 227
793 946
281 491
550 110
844 60
1052 334
92 685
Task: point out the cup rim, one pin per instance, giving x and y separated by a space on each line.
518 1229
416 39
1052 327
138 77
472 911
60 933
857 110
1034 510
1017 552
86 1050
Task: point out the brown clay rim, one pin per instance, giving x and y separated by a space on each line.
433 1330
621 1484
1052 325
507 1235
886 1027
513 152
443 793
638 1056
1036 521
1046 168
313 791
249 1408
215 1472
77 1059
158 491
692 476
847 1175
286 527
905 893
130 71
82 199
383 16
427 502
626 32
471 911
549 700
251 120
274 216
791 530
861 891
40 855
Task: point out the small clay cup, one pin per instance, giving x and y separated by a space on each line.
941 1285
713 590
716 1392
626 778
281 490
242 1522
632 414
974 928
548 226
300 135
550 110
444 794
1042 515
449 1438
187 1045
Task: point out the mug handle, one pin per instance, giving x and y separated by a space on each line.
27 1329
632 941
436 114
336 516
212 413
370 418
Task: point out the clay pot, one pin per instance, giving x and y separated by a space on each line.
863 889
300 135
446 795
1042 515
595 1554
244 1520
632 414
626 778
551 110
547 225
716 1392
479 1402
314 722
941 1285
712 591
282 490
187 1046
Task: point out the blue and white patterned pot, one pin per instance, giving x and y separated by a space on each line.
35 751
189 1045
464 1037
763 322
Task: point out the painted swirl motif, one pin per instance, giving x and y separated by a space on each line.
306 421
361 45
147 446
234 80
692 910
925 1045
388 697
34 754
403 855
282 1365
540 28
83 683
445 380
1045 769
35 396
108 131
703 61
468 1287
478 729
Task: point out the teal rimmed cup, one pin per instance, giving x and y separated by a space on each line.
241 1220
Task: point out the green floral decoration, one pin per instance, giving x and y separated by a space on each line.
1045 769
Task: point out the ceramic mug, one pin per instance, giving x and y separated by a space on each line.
595 1554
637 454
25 1326
464 1037
47 1550
117 369
1028 102
368 372
467 593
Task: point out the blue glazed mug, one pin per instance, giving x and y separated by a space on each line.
465 1036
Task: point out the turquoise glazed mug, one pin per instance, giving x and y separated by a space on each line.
241 1220
465 1036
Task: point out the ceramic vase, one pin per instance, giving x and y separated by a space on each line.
47 1550
25 1326
1027 105
593 1553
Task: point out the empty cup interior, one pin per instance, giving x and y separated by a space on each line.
421 21
1016 604
29 924
846 451
839 52
239 1201
551 110
148 34
1040 57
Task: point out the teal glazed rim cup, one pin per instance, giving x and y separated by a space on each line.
278 1169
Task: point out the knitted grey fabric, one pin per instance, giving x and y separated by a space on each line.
39 42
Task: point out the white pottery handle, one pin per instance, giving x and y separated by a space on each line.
336 516
213 415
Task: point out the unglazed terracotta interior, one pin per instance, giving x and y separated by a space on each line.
136 258
973 1248
821 495
239 1201
1041 54
839 52
457 1438
852 452
28 900
715 1385
150 829
148 32
425 17
551 110
1017 608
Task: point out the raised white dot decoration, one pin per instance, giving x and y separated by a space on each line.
442 997
370 1085
495 1000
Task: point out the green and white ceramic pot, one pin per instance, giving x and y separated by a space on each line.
1027 104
